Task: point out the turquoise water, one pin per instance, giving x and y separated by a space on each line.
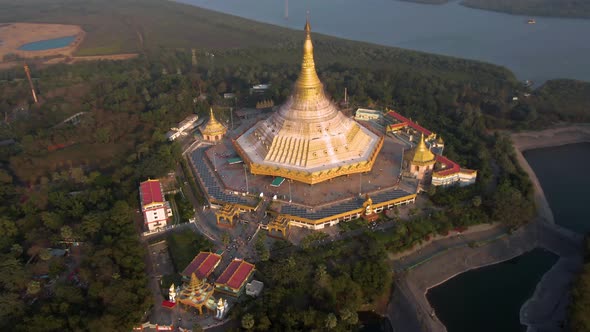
48 44
552 48
564 176
489 299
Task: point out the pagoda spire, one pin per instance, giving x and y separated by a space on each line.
308 86
194 285
422 153
212 120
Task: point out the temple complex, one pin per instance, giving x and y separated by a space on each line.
305 164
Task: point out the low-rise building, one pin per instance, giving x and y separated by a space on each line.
254 288
234 278
202 265
156 211
365 114
183 128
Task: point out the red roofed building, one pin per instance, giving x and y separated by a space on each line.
407 122
156 211
202 265
233 280
449 173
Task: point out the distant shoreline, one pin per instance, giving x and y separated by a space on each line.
525 10
557 136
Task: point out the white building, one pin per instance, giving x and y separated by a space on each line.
183 127
254 288
156 211
365 114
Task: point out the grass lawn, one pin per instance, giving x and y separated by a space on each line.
184 246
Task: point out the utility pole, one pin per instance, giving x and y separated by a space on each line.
361 184
231 116
287 10
28 72
345 96
246 176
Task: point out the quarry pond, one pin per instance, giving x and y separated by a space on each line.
48 44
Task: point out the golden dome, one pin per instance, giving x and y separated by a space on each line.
421 155
440 140
213 127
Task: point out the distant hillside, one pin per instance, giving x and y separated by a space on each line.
428 2
127 26
560 8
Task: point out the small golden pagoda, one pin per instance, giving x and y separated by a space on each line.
197 295
213 131
308 139
420 160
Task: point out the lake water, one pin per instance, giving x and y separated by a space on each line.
490 298
552 48
48 44
563 173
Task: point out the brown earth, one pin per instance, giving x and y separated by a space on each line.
14 35
75 59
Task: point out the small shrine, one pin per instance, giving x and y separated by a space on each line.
197 294
213 131
420 161
368 213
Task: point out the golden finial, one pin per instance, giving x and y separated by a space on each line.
308 86
422 154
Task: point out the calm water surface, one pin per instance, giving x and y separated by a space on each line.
564 176
489 298
48 44
552 48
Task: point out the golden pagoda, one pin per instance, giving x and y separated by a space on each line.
197 295
420 160
308 139
213 130
421 154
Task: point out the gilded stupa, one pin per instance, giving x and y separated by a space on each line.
308 139
197 294
421 155
213 130
420 161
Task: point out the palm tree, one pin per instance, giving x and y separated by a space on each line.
248 321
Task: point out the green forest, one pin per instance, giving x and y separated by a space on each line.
74 185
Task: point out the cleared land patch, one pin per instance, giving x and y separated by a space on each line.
15 35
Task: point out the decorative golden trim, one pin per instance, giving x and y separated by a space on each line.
359 211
